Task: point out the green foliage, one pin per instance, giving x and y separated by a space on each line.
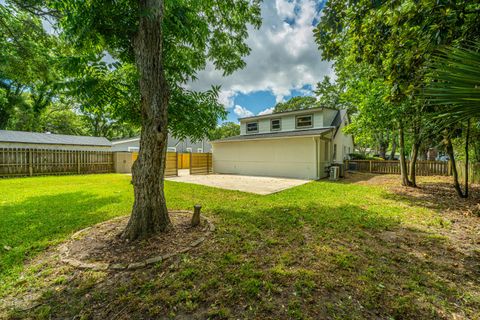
297 103
330 94
455 85
194 32
225 130
28 68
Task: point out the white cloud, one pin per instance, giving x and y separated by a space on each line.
242 112
284 55
226 97
266 111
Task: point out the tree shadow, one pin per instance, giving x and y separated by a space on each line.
30 226
312 261
439 196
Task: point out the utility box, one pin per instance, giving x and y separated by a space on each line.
334 173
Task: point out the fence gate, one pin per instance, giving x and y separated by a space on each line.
201 163
184 161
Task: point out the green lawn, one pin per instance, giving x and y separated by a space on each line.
321 250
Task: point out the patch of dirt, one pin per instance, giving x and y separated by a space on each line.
103 242
433 192
461 216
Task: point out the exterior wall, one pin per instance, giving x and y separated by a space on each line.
123 146
53 146
181 146
287 157
288 122
344 142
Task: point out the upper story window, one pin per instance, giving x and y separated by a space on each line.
252 127
302 122
275 125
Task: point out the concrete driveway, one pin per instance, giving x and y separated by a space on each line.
258 185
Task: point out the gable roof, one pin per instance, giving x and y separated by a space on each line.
50 138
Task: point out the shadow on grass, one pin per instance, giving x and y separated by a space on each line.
314 261
439 196
30 226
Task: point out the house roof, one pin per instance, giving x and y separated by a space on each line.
50 138
118 141
277 114
276 135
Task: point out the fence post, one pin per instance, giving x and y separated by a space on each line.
370 166
78 162
30 162
449 169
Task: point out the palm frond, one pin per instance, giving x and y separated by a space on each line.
455 85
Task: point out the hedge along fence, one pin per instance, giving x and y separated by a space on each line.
32 162
423 168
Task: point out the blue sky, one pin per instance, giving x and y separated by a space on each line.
284 61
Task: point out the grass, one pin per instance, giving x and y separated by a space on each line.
321 250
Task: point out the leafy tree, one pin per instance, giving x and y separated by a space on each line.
167 42
397 39
372 117
330 94
225 130
28 69
296 103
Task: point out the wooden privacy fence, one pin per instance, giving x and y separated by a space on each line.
201 163
32 162
183 160
473 172
171 165
423 168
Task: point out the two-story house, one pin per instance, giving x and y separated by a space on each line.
294 144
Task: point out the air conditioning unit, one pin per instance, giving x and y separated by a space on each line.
334 173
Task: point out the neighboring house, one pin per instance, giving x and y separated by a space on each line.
295 144
22 139
174 145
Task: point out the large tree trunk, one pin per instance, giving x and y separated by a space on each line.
451 155
413 164
403 163
150 213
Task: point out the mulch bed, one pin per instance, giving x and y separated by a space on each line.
102 247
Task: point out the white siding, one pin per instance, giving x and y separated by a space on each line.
343 141
287 122
287 157
328 116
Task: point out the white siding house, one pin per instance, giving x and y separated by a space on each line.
294 144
